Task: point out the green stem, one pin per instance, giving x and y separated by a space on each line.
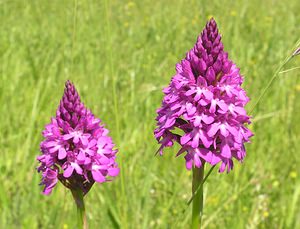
81 216
197 188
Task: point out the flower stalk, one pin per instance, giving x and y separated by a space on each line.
197 191
76 151
81 216
206 101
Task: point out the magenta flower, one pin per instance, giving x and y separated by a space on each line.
205 101
76 149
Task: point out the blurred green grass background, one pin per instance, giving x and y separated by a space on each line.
120 54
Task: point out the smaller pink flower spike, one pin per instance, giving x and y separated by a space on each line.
205 100
76 149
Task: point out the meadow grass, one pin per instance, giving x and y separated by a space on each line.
120 54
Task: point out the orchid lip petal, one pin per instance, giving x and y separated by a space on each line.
189 164
98 177
77 168
76 139
195 141
213 129
62 153
225 151
68 172
113 172
197 161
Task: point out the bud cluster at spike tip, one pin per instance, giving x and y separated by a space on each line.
206 102
76 149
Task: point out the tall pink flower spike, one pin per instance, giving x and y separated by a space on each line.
76 149
205 100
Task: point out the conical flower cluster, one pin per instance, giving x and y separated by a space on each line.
205 102
76 149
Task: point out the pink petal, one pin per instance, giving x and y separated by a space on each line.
104 160
210 74
76 139
204 102
197 161
62 153
113 172
190 92
204 153
225 151
222 167
77 168
229 166
190 109
162 118
212 108
223 130
223 105
101 142
189 164
198 95
68 172
84 140
185 138
197 121
201 81
208 94
175 106
228 91
205 140
195 142
92 143
170 122
202 65
81 156
50 144
240 110
215 159
67 136
47 191
54 149
232 130
90 152
98 177
207 119
87 161
213 129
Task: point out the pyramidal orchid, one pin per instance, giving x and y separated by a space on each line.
203 110
76 151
